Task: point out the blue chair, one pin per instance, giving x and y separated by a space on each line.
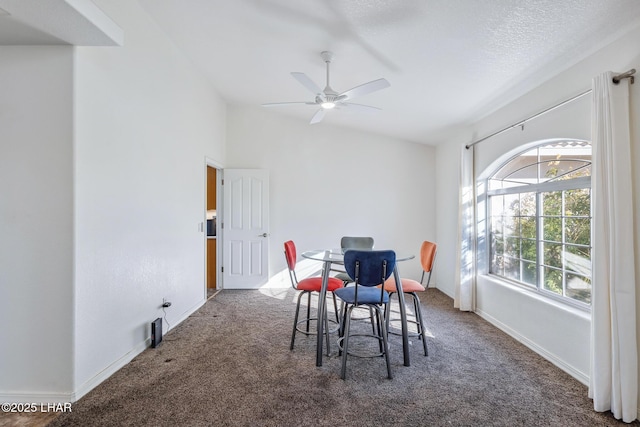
368 270
358 243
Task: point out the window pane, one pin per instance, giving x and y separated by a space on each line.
579 288
528 227
496 204
529 273
552 254
512 247
552 229
512 268
512 204
511 226
497 264
578 230
562 169
577 202
578 259
528 204
529 249
552 203
497 225
553 280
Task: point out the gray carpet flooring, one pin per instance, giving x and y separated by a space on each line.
229 364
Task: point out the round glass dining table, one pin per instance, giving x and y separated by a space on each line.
336 256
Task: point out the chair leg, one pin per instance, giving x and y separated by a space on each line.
345 341
308 310
295 321
326 327
341 327
420 322
335 307
381 327
387 311
384 341
373 328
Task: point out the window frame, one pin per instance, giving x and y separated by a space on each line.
553 185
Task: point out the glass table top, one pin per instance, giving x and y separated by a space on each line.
337 256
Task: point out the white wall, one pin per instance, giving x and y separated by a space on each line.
515 311
102 177
327 182
144 122
36 221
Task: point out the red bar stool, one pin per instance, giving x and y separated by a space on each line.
308 286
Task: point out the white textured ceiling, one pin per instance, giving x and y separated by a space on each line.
449 62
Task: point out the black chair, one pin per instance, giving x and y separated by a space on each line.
368 269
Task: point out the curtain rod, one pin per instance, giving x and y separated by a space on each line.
628 75
616 79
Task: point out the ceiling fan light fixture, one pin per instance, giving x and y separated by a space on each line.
327 98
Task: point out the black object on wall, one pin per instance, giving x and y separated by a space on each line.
156 332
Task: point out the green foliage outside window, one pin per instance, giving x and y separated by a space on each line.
551 251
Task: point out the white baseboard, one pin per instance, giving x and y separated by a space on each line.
87 386
116 365
37 398
575 373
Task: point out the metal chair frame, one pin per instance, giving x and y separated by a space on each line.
309 319
418 320
359 243
381 333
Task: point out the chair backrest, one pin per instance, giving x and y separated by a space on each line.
290 256
369 268
349 242
427 255
427 258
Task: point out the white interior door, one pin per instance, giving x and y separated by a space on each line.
245 228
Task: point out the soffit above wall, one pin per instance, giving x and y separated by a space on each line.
56 22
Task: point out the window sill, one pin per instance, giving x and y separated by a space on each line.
575 309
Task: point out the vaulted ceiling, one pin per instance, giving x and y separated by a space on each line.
448 62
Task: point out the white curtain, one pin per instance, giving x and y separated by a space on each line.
465 265
614 372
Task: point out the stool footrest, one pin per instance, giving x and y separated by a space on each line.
313 319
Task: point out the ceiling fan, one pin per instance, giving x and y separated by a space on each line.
328 98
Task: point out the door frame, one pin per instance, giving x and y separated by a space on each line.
219 232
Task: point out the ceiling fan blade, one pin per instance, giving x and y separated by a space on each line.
284 104
350 106
318 116
307 82
365 89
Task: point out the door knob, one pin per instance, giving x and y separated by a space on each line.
263 235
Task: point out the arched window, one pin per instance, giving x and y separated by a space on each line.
540 220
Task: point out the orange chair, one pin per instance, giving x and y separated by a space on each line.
410 287
308 286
